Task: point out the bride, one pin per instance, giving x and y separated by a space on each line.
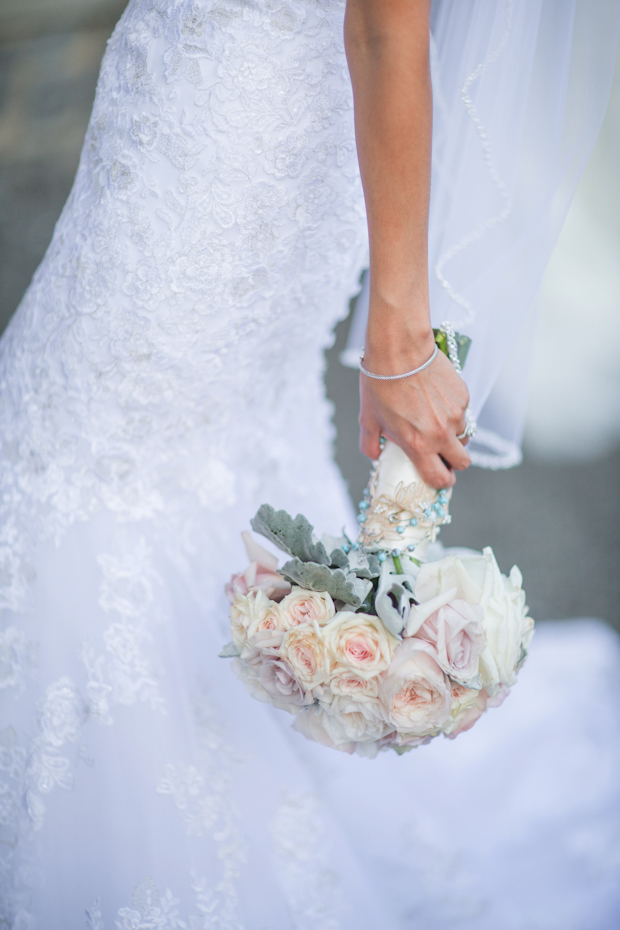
163 377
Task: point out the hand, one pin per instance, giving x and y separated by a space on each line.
422 414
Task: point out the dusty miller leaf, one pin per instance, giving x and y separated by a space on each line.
229 651
315 577
293 536
338 559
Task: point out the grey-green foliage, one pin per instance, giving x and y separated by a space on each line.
338 559
316 577
364 564
394 599
229 651
293 536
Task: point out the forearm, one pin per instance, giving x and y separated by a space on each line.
387 51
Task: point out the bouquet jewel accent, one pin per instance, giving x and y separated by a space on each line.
367 644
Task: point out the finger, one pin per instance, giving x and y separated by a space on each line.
432 468
456 455
369 442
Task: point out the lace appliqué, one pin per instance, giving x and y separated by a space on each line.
200 793
129 670
309 883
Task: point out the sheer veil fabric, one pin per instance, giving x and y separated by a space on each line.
520 89
163 377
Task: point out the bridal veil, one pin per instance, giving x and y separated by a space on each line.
520 89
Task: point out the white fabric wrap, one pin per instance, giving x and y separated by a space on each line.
520 91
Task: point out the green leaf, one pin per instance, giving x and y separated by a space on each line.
229 651
462 342
293 536
316 577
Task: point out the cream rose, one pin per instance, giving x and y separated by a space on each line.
477 580
266 615
467 705
250 614
302 606
415 692
346 683
306 654
360 642
241 612
264 643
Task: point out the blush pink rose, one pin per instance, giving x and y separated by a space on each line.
259 575
302 606
360 642
455 630
347 683
306 655
415 691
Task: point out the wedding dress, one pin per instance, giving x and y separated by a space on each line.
160 380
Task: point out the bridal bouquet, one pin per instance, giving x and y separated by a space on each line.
367 644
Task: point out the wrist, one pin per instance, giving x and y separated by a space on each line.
389 352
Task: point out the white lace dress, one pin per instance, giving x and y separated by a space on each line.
162 378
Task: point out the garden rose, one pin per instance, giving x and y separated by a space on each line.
310 723
240 618
467 705
306 654
250 614
415 692
302 606
455 631
278 680
360 642
259 575
266 615
346 683
263 643
478 580
347 719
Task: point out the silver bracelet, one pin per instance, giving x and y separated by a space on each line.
415 371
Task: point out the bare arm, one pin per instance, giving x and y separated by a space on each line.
387 44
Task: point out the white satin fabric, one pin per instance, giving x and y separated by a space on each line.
520 88
160 380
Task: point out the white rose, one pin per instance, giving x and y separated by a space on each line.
302 606
248 675
306 654
361 722
310 724
477 580
360 642
415 692
345 724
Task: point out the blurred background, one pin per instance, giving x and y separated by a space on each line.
558 514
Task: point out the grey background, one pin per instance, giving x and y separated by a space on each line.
557 520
